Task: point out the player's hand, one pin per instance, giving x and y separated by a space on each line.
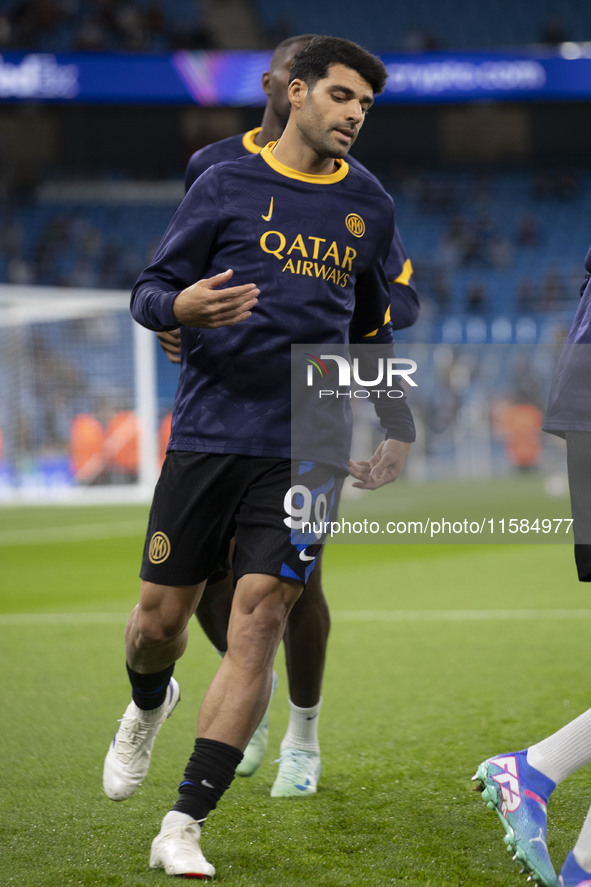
170 342
384 466
205 306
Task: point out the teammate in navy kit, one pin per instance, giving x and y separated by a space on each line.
518 785
287 246
569 415
308 625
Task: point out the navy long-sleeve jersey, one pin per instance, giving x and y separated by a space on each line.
399 271
315 246
569 400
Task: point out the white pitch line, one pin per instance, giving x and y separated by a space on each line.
70 533
455 615
62 618
8 619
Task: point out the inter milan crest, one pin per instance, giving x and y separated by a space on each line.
355 225
159 548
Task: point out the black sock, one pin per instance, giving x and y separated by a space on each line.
148 691
208 775
583 561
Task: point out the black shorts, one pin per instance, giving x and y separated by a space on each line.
275 510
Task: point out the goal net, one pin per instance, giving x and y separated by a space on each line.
79 418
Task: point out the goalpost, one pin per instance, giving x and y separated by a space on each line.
79 417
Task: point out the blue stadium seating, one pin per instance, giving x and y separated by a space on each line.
488 275
381 25
390 25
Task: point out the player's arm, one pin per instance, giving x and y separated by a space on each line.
205 305
404 301
170 341
173 290
405 306
371 326
383 467
394 414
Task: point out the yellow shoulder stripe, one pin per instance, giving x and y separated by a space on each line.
405 274
386 320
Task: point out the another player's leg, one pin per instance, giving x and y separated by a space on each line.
306 639
213 614
578 458
214 608
155 637
256 749
576 871
518 786
231 710
519 794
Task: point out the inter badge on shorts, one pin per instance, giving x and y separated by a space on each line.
159 548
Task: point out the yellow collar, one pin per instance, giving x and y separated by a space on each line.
248 140
336 176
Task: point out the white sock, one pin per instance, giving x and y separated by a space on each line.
302 729
582 849
565 751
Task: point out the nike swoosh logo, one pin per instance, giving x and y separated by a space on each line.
303 787
267 218
307 557
206 783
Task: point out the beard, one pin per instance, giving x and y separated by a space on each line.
325 144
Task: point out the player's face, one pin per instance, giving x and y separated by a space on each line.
333 111
276 81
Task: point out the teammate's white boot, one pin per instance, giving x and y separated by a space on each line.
128 758
299 774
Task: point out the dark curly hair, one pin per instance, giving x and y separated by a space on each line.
313 61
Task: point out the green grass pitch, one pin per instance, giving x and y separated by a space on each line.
440 655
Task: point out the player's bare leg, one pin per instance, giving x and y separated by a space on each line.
240 691
306 639
156 632
213 614
155 637
230 711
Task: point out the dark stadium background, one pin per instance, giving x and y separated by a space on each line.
492 197
515 174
